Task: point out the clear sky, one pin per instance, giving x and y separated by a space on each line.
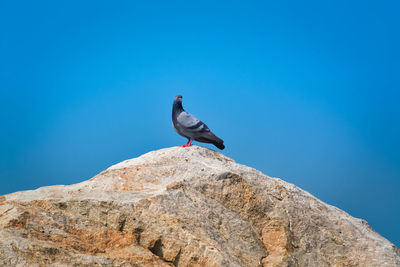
302 90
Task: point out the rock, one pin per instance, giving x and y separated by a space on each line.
183 207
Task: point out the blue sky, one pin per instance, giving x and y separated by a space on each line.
303 91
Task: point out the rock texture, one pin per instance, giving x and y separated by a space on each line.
183 207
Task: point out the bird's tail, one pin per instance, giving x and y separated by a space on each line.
220 145
213 139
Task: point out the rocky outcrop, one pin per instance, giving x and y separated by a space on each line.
183 207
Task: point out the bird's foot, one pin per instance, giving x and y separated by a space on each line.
187 144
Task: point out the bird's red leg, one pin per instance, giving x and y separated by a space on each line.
189 143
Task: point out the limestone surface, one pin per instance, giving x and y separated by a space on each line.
183 207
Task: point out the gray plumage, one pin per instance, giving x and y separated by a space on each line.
191 127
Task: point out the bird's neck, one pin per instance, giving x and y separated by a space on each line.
177 108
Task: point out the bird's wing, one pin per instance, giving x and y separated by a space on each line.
191 123
191 127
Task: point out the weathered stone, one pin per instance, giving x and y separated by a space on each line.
183 207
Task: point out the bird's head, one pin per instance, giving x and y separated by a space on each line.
178 99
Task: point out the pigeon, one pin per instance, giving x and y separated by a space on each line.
191 127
